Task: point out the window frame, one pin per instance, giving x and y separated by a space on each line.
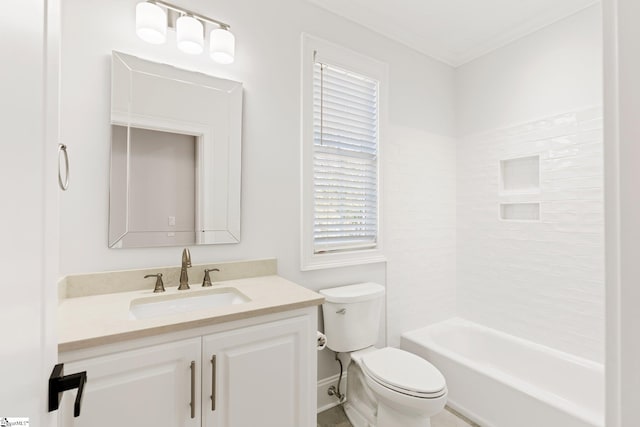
318 50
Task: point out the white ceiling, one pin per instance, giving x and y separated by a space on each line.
454 31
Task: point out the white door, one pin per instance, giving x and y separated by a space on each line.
258 376
28 207
156 386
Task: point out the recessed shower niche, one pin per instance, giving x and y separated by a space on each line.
520 211
175 156
520 175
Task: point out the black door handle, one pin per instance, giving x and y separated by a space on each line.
59 383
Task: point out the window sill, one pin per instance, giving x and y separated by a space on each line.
319 262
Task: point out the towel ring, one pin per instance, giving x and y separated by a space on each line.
64 184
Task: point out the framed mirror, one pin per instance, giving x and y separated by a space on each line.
175 156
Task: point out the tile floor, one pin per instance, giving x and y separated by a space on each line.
335 417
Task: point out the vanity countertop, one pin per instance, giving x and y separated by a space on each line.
94 320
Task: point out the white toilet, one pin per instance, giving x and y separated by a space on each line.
386 387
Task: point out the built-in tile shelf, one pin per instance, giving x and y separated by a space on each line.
520 211
520 175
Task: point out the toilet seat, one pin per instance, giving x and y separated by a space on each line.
408 392
404 372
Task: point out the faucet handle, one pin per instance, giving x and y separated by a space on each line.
207 280
159 284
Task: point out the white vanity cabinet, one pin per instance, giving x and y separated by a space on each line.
263 374
258 376
149 386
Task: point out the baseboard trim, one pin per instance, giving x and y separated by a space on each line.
324 400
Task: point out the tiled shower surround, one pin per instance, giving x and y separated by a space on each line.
543 279
420 221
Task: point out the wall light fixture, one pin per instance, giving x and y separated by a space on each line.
153 17
190 35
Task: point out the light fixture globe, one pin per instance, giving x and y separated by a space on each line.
222 46
190 35
151 23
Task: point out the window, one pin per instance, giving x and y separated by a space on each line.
345 160
342 100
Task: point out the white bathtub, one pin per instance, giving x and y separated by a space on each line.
499 380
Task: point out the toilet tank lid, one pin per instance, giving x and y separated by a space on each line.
353 293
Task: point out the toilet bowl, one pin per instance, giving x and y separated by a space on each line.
405 389
386 387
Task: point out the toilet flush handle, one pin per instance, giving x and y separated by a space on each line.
341 311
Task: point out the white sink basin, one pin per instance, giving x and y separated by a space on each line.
166 305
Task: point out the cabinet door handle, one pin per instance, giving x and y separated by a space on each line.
193 389
213 382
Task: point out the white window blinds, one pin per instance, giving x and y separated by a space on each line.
345 160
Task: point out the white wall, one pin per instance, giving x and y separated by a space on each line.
552 71
544 280
268 49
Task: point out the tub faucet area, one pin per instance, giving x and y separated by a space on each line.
184 276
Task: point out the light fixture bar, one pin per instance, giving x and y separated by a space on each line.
191 13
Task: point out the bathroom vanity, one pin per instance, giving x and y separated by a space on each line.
249 363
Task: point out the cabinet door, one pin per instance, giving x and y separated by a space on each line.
149 387
263 376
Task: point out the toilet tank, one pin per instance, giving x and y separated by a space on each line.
352 316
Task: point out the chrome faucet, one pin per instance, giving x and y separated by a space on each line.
186 263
